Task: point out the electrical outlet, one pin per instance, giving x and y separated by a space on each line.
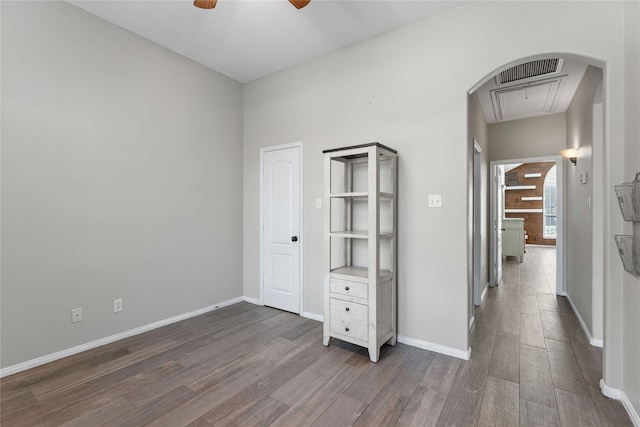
435 201
76 315
117 305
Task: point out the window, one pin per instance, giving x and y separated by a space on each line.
550 205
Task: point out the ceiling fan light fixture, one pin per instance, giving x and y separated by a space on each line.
205 4
299 4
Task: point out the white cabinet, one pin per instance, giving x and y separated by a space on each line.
360 246
513 237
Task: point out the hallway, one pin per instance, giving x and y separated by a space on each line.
540 362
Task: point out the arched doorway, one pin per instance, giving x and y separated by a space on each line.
581 231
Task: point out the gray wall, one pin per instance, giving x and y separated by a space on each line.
631 296
408 89
121 171
578 197
527 138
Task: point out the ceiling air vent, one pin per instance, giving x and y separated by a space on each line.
529 69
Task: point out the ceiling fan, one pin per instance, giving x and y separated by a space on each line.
210 4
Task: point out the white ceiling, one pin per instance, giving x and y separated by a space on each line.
249 39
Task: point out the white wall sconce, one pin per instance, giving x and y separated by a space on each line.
571 154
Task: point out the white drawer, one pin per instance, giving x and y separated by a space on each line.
352 289
349 318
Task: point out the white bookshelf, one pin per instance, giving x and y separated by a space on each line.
360 246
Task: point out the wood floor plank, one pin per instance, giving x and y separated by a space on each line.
58 404
258 413
590 362
563 304
552 326
462 406
59 373
307 381
536 415
125 380
367 387
536 385
505 359
529 304
500 404
200 422
441 373
344 411
384 410
105 415
547 302
423 409
574 330
411 371
490 311
511 298
510 321
576 410
260 389
564 367
531 330
306 411
528 289
482 339
153 410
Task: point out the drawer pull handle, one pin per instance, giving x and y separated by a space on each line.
346 288
346 329
346 309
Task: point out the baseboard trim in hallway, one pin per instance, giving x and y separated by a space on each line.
614 393
594 342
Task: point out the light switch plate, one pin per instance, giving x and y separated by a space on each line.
583 178
435 201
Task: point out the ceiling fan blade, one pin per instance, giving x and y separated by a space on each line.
299 4
205 4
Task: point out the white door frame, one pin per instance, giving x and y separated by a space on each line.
495 258
477 227
300 208
560 249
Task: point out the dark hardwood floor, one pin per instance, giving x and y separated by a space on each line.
247 365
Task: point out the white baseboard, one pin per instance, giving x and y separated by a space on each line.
614 393
252 300
14 369
312 316
484 293
472 322
594 342
438 348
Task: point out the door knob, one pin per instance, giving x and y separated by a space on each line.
294 239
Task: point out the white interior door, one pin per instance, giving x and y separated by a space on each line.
281 228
